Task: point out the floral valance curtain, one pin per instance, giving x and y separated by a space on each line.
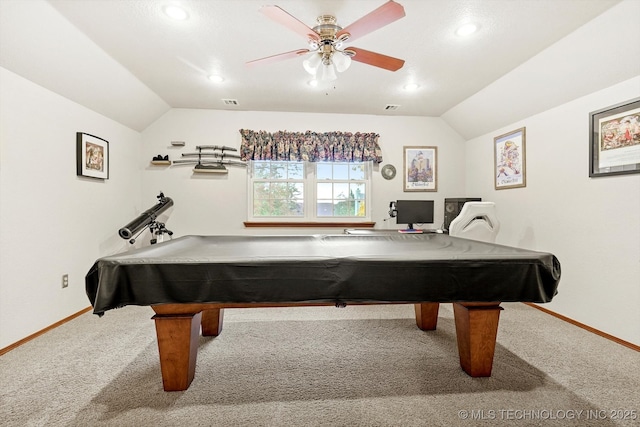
310 146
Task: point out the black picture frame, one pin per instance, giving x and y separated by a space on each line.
92 156
614 139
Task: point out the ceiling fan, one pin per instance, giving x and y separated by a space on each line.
326 41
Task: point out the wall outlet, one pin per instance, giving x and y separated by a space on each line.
65 280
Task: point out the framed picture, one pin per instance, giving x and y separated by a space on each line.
420 168
614 139
92 156
510 169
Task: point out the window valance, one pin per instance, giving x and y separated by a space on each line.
310 146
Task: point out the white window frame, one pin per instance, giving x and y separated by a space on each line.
310 209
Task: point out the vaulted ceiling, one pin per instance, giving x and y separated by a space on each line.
132 62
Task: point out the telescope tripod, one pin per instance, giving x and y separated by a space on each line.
157 230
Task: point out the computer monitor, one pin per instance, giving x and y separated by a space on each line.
414 212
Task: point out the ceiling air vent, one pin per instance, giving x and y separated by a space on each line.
230 101
391 107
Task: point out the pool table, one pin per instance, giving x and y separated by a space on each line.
189 281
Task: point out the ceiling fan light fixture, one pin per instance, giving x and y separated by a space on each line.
312 64
411 87
216 78
327 38
341 61
328 73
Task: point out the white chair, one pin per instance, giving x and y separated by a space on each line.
477 221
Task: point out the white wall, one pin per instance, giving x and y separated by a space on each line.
38 43
591 224
216 204
594 56
51 221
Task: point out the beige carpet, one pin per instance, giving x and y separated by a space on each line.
321 366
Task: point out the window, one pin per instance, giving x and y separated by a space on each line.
277 189
309 192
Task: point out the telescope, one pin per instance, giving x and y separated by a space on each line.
147 219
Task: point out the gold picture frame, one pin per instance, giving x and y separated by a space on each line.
420 168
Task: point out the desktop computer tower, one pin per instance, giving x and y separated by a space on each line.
452 208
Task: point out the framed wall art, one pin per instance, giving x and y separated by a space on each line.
92 156
420 168
510 169
614 139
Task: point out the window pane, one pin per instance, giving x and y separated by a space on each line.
261 170
261 208
324 170
278 171
357 171
296 170
287 208
341 171
341 208
279 190
260 190
340 190
297 190
324 191
325 208
296 208
286 190
357 191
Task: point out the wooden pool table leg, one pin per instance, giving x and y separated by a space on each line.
427 315
212 322
476 331
178 337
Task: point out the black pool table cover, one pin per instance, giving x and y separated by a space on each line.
377 268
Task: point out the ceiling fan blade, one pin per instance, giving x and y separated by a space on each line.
385 14
376 59
282 17
279 57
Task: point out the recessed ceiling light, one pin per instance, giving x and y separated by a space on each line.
410 87
176 12
313 83
216 79
466 29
